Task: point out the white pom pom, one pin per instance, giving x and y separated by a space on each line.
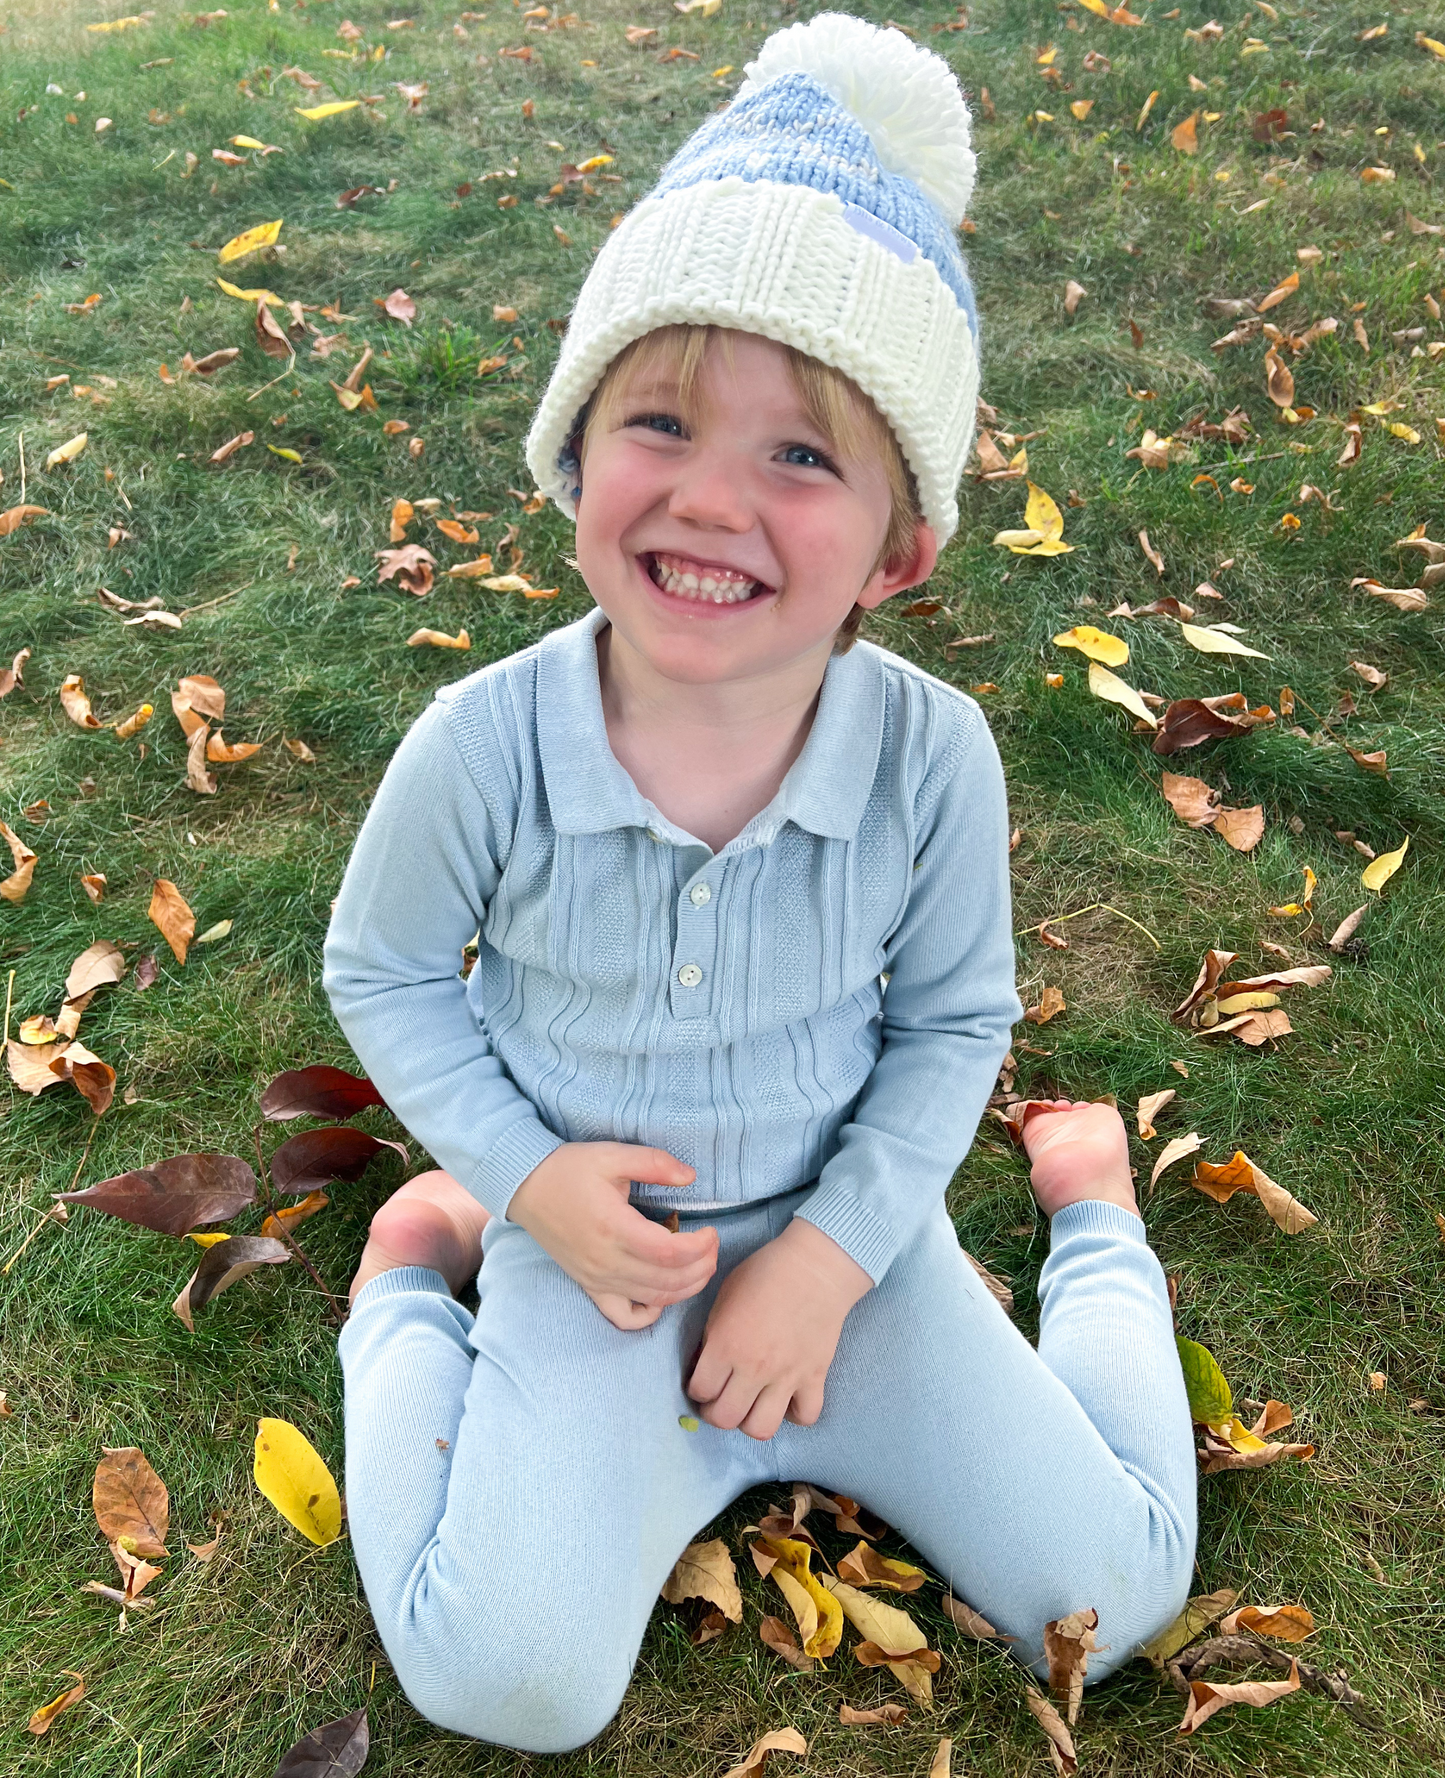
906 98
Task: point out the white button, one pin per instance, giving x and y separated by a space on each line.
700 895
689 975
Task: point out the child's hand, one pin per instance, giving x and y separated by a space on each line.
773 1331
574 1204
1078 1152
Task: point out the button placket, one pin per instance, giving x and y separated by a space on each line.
694 952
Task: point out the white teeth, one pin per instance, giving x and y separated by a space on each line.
686 585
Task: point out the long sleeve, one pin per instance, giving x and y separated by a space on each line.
947 1012
424 867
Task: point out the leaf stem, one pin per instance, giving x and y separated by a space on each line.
287 1237
1093 907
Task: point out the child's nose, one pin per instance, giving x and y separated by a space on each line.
709 492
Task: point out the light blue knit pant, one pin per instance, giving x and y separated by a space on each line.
518 1484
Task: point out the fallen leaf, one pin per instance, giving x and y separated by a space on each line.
204 1551
1185 136
884 1713
1098 645
334 108
1377 175
398 305
1201 1611
75 703
892 1632
335 1750
68 452
776 1635
1223 1180
1281 291
93 885
1345 931
197 777
316 1157
18 516
1192 800
1074 293
865 1567
1051 1003
291 1215
820 1620
223 453
755 1760
317 1091
1149 1108
1286 1623
40 1722
1156 561
1068 1643
1242 829
1212 640
1177 1150
15 886
1061 1742
253 239
290 1473
1043 531
1114 690
130 1501
1377 873
175 1195
411 567
1190 721
970 1622
223 1264
1206 1699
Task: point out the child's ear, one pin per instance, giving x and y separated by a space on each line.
910 569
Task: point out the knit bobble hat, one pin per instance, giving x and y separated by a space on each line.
817 210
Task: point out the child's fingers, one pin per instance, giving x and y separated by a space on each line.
765 1416
709 1377
656 1249
648 1166
622 1312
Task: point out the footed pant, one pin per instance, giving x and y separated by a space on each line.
519 1487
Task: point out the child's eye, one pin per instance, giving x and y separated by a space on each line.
666 423
807 457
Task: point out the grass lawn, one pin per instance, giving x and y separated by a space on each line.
244 1654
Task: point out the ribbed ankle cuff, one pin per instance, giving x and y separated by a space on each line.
1093 1216
401 1281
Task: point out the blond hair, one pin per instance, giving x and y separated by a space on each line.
834 403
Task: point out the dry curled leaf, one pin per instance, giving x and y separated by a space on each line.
884 1713
1149 1108
411 567
865 1567
1050 1004
706 1571
1061 1742
335 1750
42 1719
170 911
1174 1151
1068 1643
223 1264
776 1635
14 887
1286 1623
1222 1181
1201 1611
755 1760
131 1501
1205 1700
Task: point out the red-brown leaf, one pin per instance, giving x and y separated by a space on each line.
318 1091
176 1195
316 1157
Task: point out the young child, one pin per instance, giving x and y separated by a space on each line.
742 897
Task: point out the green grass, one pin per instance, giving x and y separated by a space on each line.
242 1656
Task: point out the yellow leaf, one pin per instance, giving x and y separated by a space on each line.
598 160
1408 433
890 1628
1114 690
1081 108
210 1240
290 1473
1211 641
792 1566
250 296
438 639
246 142
1185 136
1042 515
1433 44
1147 107
263 235
1379 870
1099 645
68 452
315 113
124 24
281 451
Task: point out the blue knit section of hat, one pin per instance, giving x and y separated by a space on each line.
794 132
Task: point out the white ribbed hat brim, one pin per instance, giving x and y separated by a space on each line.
782 261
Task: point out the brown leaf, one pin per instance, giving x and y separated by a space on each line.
224 1264
316 1157
18 516
1175 1150
270 336
75 703
872 1654
457 532
1241 828
94 885
130 1501
1286 1623
1149 1108
865 1567
399 306
175 1195
1191 799
221 752
776 1635
1068 1643
1279 380
1345 931
1370 762
30 1065
703 1571
223 453
756 1758
197 777
291 1215
93 1079
1206 1699
885 1713
170 911
335 1750
1155 559
412 567
1074 294
402 513
318 1091
14 674
1221 1181
201 694
1279 294
1189 721
204 1551
1061 1742
15 886
1185 136
41 1720
1051 1004
970 1622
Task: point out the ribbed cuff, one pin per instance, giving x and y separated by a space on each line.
401 1281
1096 1216
863 1235
520 1147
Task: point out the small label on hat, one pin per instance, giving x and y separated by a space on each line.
883 233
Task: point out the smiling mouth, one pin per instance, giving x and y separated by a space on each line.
706 583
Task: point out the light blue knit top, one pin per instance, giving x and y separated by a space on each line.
633 985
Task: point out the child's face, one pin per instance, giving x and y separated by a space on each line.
737 543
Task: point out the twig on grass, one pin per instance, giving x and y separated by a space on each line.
1245 1651
57 1211
1094 907
287 1237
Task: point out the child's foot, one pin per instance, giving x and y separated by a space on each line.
431 1221
1078 1152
